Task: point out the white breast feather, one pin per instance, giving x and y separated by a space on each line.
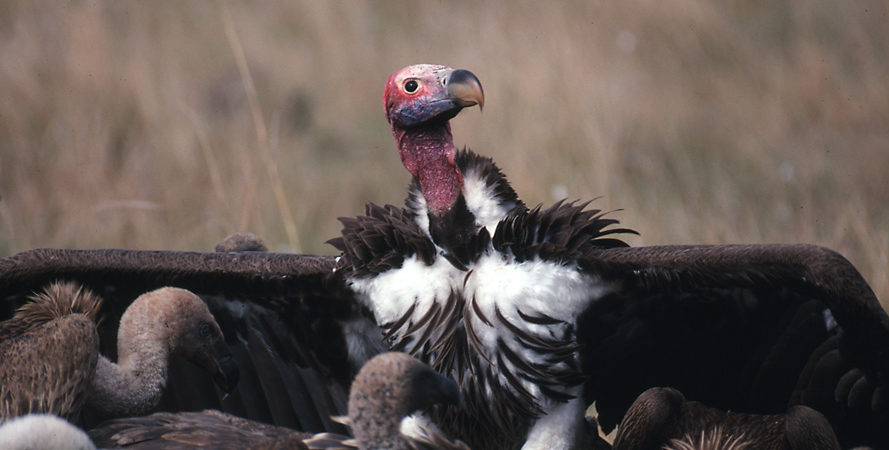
533 287
536 286
391 293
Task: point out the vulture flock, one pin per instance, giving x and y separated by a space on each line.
497 326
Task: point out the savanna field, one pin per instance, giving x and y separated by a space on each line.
168 125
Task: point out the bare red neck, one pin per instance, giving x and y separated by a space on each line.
427 152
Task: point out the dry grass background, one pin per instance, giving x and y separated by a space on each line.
126 124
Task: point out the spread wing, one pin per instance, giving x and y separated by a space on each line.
747 328
282 315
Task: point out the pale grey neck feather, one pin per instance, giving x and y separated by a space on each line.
132 388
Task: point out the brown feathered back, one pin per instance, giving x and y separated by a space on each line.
661 417
56 300
714 439
48 353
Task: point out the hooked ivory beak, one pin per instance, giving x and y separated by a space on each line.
464 87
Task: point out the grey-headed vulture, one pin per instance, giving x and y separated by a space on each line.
534 312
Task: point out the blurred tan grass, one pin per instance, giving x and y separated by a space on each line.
127 124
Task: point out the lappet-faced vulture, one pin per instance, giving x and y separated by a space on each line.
535 312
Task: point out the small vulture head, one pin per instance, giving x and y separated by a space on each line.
391 386
181 319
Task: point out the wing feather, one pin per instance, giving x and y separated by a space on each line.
744 327
281 315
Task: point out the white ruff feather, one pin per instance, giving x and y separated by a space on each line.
422 211
482 202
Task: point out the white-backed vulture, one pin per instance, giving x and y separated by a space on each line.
50 361
662 418
389 388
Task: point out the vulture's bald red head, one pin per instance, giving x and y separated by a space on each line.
424 93
419 100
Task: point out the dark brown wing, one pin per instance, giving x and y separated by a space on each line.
282 316
380 240
562 232
187 430
743 328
